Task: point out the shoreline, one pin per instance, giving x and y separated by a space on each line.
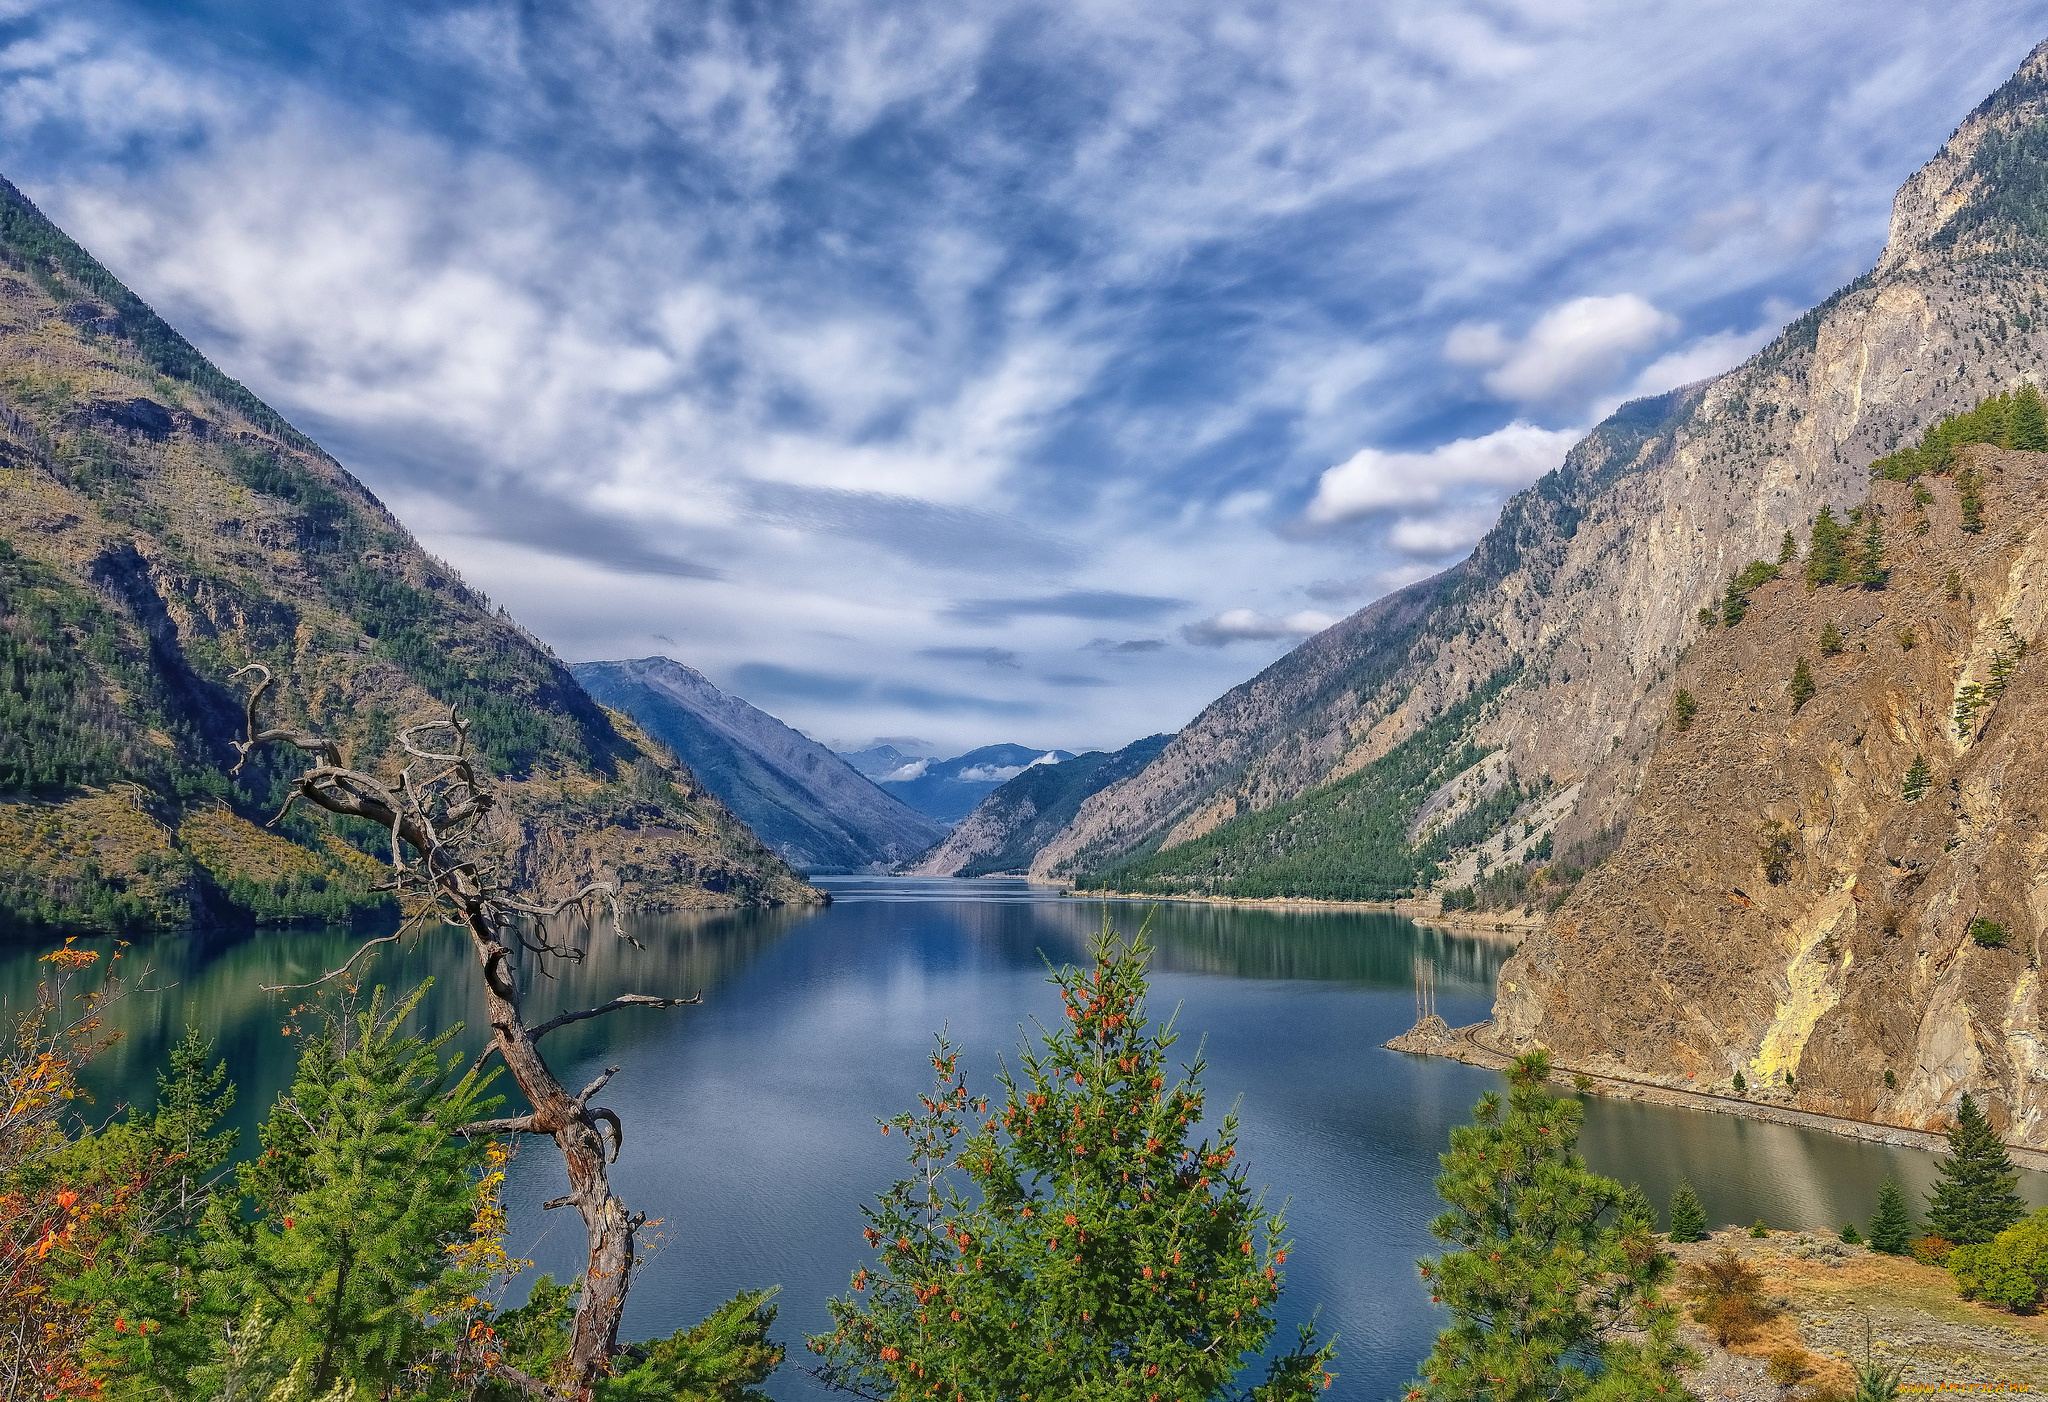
1460 1044
1421 911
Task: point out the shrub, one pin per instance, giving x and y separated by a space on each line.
1683 709
1952 585
1908 639
1788 1366
1830 639
1850 1236
1727 1297
1582 1083
2010 1270
1758 1230
1891 1082
1774 852
1708 618
1802 688
1932 1250
1988 933
1741 1086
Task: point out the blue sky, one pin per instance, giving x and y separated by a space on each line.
973 372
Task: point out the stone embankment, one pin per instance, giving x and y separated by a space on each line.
1432 1037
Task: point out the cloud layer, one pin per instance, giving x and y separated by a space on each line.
1008 372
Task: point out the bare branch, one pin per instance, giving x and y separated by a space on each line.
312 744
597 1085
521 1124
598 1112
624 1000
369 945
566 1200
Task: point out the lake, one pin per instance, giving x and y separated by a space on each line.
750 1121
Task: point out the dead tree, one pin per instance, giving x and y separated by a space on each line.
445 868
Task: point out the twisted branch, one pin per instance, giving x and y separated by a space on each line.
624 1000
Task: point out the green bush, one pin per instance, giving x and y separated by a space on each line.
1688 1216
1774 851
1683 709
2010 1270
1918 777
1802 689
1830 639
1988 933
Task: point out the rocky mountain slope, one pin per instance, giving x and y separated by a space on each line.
1836 887
946 790
1007 828
160 527
801 799
1589 587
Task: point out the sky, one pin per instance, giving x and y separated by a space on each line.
955 374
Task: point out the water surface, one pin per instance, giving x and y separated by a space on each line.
750 1121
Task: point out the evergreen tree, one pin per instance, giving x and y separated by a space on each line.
1538 1288
360 1193
1802 684
1688 1217
1830 639
1091 1250
1871 570
1890 1226
1918 777
2026 423
1788 549
1877 1384
1683 709
1734 605
1636 1212
1974 1201
1825 552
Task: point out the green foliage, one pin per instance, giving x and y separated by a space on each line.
1974 1200
1344 841
1891 1226
1850 1236
1683 709
2026 423
1078 1243
2011 1269
1758 1231
1871 571
1735 599
1877 1384
1688 1217
1741 1085
1830 639
1457 898
1988 933
361 1190
1802 687
1952 586
1935 453
1539 1284
721 1359
1708 618
1788 549
1970 496
1827 552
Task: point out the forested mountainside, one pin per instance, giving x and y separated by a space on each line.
1831 890
807 803
161 527
1579 602
947 790
1007 829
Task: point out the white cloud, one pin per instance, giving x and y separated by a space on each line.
1374 480
1242 625
1578 346
1434 537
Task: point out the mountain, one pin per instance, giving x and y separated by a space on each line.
947 789
161 527
1006 829
1559 634
1837 898
815 810
879 762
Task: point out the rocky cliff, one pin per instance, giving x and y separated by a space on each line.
160 527
1590 585
1839 899
799 797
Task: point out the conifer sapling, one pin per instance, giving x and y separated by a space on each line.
1975 1199
1688 1216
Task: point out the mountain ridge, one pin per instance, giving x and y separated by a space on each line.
1007 828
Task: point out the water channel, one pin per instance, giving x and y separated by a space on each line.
750 1121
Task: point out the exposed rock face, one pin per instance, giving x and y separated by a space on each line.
1593 576
1006 830
160 527
800 798
1685 959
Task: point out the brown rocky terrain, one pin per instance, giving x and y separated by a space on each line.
160 528
1781 909
1592 579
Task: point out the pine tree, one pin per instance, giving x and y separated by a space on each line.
1683 709
2026 422
1537 1282
1788 549
1077 1244
1870 566
360 1192
1830 639
1688 1216
1890 1226
1802 684
1974 1201
1825 550
1918 777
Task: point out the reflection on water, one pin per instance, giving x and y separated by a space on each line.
750 1121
